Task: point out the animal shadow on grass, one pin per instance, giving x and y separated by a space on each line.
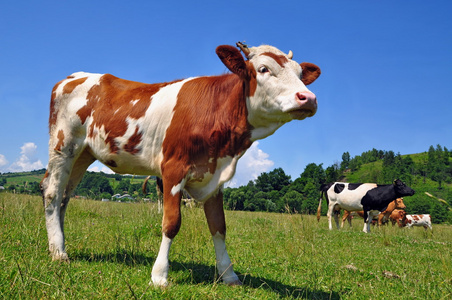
207 274
201 273
285 290
124 257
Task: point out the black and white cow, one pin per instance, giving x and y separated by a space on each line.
370 197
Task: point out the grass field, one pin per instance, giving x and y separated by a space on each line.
112 247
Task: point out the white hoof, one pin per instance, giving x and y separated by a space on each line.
60 256
159 281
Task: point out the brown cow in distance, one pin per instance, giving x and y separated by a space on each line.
384 215
397 216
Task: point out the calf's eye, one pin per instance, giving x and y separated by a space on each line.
263 69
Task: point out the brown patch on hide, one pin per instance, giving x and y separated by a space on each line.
53 112
209 122
60 143
114 100
280 59
133 142
71 85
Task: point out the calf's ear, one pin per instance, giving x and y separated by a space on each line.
232 59
310 72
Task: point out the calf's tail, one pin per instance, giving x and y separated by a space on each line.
323 190
319 209
144 187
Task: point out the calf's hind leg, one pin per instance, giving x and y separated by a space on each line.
79 169
56 186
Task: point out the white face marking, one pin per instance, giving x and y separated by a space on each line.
276 92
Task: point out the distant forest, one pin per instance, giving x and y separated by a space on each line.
275 191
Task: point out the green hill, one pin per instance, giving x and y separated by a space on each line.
431 196
372 172
21 177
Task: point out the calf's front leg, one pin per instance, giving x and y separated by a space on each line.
170 227
213 209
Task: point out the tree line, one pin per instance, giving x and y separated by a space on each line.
101 186
276 192
94 185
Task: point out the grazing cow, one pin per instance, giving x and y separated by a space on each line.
189 132
369 197
417 220
397 216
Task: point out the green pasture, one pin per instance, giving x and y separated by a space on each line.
113 246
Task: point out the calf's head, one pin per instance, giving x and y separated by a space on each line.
276 90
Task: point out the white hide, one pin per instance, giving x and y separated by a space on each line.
416 220
347 199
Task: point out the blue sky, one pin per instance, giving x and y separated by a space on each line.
386 78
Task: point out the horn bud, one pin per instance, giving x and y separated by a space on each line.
244 48
290 54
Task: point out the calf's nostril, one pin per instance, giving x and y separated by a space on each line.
301 96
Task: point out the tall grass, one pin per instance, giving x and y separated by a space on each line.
112 247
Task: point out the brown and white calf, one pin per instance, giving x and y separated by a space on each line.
417 220
189 132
